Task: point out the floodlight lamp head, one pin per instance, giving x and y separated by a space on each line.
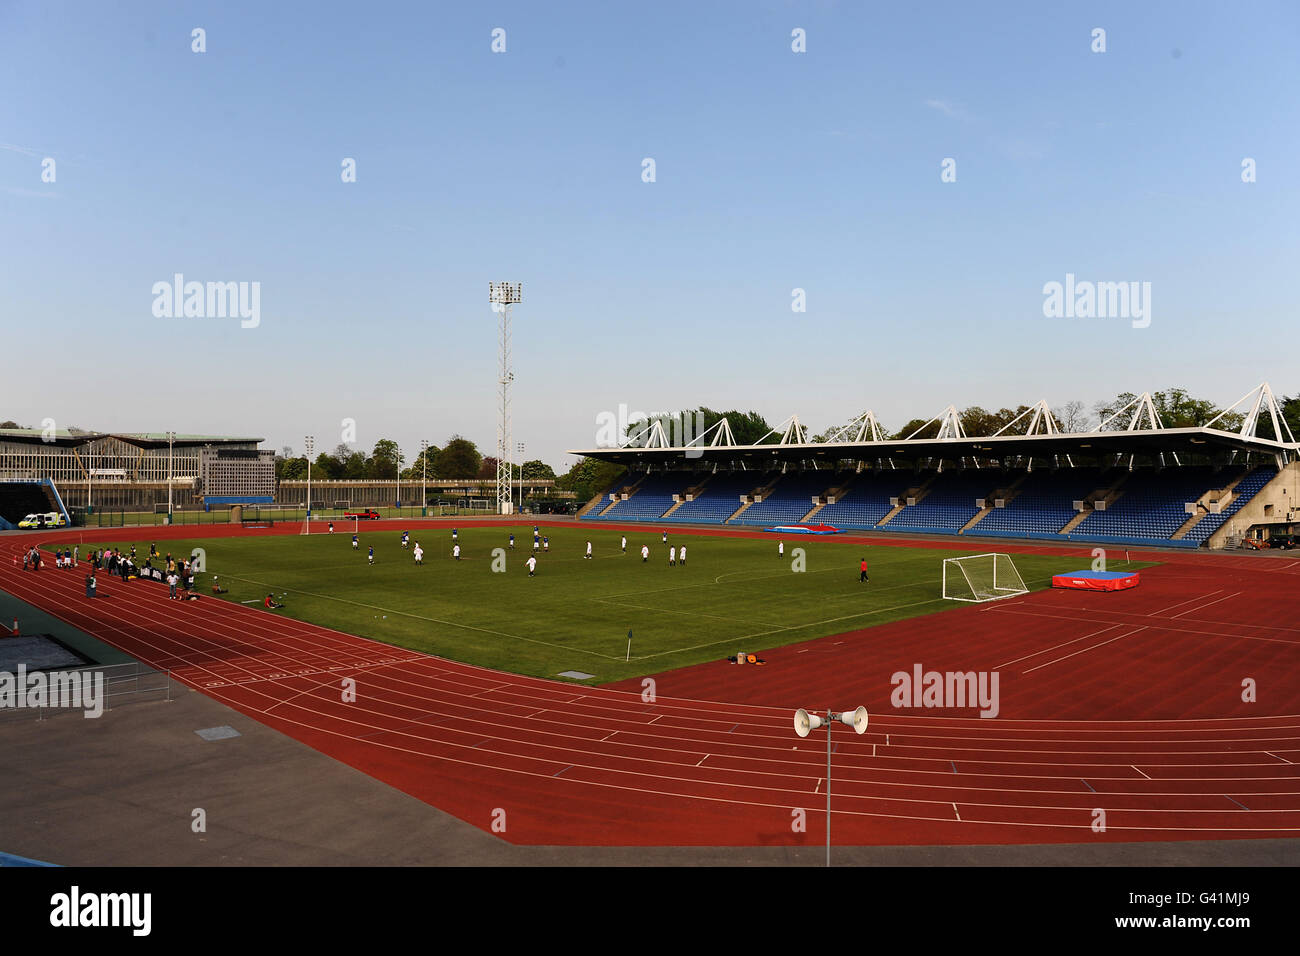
505 293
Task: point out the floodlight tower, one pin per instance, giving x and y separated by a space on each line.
501 296
171 437
311 450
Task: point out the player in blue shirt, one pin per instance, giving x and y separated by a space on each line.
355 543
372 556
406 537
512 540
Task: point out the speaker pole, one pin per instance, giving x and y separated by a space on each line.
830 719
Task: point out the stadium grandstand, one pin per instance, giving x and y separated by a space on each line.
71 471
1129 481
77 473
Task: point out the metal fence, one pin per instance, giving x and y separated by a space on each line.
123 683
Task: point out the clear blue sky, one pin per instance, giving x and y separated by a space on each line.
775 170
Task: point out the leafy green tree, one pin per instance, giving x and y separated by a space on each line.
975 421
418 465
293 469
459 458
930 431
590 476
326 467
746 427
386 460
536 470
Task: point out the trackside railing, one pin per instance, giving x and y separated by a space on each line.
121 683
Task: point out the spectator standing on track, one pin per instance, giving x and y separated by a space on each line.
171 585
76 556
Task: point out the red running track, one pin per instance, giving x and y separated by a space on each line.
1128 703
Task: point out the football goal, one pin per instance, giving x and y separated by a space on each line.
981 577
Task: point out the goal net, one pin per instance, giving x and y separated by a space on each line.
981 577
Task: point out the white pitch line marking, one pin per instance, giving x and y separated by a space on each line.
1139 771
818 788
603 739
1283 759
956 811
704 758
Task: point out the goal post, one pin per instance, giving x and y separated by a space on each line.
981 577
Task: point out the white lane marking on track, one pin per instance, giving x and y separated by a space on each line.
1204 606
1085 650
1199 597
1055 646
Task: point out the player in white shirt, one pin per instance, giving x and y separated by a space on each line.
681 558
532 564
672 555
419 553
780 549
455 552
588 550
624 544
645 553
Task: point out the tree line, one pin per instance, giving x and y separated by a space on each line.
458 458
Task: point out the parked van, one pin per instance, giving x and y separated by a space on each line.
48 519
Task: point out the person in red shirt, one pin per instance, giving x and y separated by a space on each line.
863 576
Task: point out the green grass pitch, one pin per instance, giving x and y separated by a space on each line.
734 594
